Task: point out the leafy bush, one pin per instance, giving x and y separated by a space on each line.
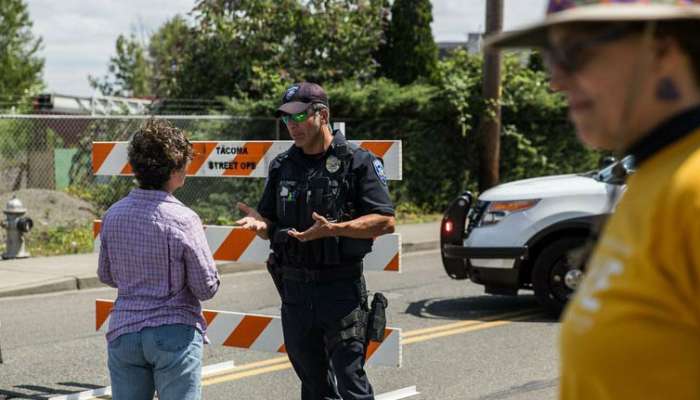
102 195
409 213
436 122
218 205
61 240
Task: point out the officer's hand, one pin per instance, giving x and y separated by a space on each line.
253 220
320 229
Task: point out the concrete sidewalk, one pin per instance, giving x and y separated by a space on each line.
79 271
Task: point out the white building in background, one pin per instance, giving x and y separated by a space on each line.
473 44
79 105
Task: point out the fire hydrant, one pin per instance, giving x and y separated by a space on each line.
16 225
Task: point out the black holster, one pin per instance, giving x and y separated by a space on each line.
376 323
275 270
361 324
352 326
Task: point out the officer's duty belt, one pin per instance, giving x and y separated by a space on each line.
328 274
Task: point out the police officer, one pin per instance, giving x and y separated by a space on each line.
324 201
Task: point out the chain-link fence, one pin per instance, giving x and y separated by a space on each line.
54 153
46 161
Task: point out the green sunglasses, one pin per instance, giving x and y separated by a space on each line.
298 117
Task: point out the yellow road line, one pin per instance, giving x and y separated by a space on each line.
468 328
415 336
249 366
245 374
461 324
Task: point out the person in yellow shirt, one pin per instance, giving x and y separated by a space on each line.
630 70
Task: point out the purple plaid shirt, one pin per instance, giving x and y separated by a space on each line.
153 250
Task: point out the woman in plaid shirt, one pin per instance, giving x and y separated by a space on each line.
155 253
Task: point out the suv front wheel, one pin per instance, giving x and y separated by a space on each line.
556 274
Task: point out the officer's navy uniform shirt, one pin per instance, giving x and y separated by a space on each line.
370 196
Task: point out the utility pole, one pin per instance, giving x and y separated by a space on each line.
490 125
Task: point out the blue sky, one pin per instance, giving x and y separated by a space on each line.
79 35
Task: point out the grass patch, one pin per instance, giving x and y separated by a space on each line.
60 240
409 213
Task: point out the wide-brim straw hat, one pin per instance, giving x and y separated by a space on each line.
560 12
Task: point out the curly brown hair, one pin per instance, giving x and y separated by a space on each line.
155 151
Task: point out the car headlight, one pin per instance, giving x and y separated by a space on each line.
498 210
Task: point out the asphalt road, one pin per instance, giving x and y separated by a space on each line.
458 343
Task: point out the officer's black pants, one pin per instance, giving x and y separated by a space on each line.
308 310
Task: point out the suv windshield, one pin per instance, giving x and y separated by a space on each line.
606 174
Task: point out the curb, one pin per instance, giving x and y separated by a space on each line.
49 286
72 283
420 246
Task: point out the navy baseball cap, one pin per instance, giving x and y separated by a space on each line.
300 96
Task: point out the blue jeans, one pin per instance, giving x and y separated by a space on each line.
167 358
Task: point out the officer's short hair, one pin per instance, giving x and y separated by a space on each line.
318 107
155 151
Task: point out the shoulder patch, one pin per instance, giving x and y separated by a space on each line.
379 170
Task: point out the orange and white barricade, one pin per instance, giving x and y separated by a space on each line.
251 159
264 333
229 243
241 159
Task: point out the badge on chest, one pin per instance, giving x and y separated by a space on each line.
332 164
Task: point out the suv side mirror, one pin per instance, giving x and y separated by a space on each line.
619 173
607 161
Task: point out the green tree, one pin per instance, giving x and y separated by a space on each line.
20 65
146 69
250 48
130 70
410 52
436 122
167 49
256 47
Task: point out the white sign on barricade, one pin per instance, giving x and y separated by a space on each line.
229 243
241 159
264 333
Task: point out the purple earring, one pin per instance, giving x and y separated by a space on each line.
666 90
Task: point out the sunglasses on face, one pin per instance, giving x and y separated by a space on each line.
571 57
298 117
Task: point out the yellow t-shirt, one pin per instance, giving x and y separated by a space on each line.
632 330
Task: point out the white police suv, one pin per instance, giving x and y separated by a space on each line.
520 235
